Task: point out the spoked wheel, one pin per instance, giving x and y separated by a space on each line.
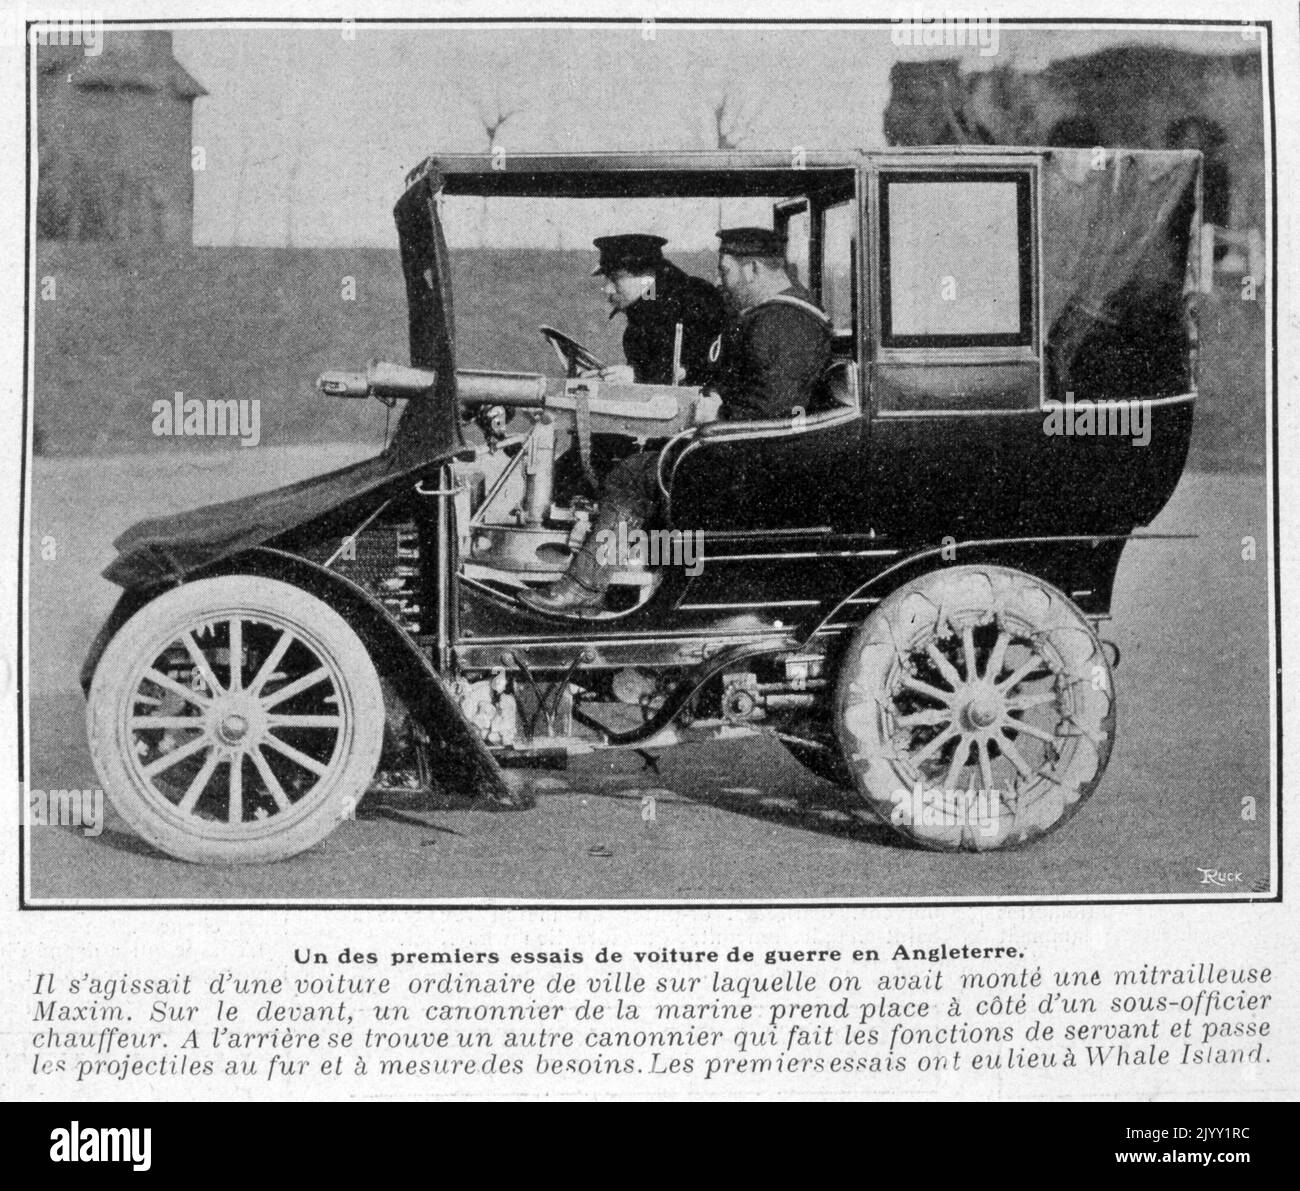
235 720
975 709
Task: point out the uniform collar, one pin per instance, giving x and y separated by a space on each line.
793 295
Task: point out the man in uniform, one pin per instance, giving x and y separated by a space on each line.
778 343
657 297
767 362
660 302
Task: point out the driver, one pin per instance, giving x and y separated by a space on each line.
772 354
656 297
660 302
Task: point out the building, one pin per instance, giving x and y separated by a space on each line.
114 141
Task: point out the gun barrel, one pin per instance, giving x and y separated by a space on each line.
518 390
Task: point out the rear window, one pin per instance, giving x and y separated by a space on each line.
956 261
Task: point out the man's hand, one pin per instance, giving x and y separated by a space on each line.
615 374
706 409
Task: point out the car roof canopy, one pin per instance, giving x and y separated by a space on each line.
685 174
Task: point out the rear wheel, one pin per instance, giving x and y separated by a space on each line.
235 720
975 709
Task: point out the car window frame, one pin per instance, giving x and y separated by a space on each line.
956 349
851 343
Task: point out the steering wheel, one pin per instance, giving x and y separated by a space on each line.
575 358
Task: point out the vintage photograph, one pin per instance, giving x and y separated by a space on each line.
650 462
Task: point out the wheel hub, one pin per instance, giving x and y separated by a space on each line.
983 711
237 723
233 728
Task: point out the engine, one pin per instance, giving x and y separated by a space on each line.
385 560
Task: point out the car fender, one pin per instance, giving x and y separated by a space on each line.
1041 556
459 756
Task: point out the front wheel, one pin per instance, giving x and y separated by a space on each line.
975 709
235 720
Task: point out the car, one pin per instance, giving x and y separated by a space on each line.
903 582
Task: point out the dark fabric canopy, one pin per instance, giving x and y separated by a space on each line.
169 548
1118 258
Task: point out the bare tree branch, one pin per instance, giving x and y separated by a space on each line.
494 119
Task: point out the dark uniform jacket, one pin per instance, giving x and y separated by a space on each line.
771 357
652 327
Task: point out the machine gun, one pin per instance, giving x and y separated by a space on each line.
639 411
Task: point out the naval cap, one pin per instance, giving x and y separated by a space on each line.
633 251
751 241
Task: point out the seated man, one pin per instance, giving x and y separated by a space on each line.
769 358
660 302
657 297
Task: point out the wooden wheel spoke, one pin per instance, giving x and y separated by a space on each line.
269 780
236 653
993 667
236 812
273 659
935 745
985 763
924 688
959 756
968 653
1017 675
158 678
1012 754
304 721
1025 702
201 664
1028 729
295 688
177 755
931 717
944 666
199 784
298 758
191 723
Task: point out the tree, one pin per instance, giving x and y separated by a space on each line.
493 115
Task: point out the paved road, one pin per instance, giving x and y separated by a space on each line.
733 821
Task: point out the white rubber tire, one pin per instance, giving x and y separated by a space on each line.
286 827
898 776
